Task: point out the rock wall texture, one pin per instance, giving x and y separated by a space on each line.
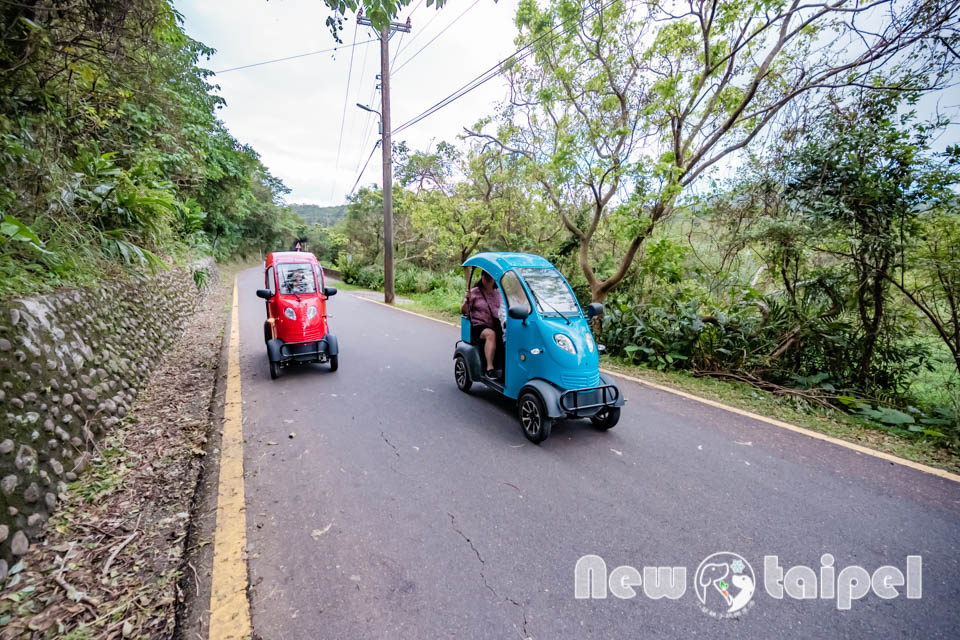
70 366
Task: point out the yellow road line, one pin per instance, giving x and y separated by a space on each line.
229 609
749 414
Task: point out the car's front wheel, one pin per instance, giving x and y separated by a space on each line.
606 418
274 370
534 420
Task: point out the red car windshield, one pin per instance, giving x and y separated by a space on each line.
296 278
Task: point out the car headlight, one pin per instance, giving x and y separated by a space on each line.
564 343
589 344
311 311
290 313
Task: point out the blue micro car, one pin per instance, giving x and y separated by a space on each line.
550 359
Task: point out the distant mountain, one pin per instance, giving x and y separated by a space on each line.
324 216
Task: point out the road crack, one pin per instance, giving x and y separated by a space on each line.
392 446
523 609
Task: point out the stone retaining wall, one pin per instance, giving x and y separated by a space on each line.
70 366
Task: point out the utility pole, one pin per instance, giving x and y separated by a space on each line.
387 149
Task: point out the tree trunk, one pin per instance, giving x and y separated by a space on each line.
600 290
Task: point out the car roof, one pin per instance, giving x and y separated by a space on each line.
280 257
496 263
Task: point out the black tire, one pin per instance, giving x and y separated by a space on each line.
461 373
534 421
334 362
267 334
274 370
606 418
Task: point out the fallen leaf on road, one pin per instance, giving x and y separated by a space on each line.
428 390
746 463
289 421
619 453
415 448
515 487
271 444
316 533
748 443
517 446
293 434
699 447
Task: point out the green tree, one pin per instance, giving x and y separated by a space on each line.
624 105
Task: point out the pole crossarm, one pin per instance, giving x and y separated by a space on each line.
394 26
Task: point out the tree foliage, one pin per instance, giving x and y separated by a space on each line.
625 105
110 149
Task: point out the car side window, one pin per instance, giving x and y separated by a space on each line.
271 282
513 290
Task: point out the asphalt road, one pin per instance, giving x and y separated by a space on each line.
403 508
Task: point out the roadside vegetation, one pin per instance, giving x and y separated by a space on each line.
112 157
780 216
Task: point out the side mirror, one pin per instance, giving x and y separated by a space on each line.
329 291
518 313
594 309
264 293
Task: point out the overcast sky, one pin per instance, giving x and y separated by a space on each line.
290 112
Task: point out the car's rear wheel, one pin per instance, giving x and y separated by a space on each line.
534 421
334 362
274 370
461 373
606 418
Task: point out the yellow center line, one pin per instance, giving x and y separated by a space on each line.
229 609
742 412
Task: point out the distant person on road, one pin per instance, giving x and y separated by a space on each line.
482 306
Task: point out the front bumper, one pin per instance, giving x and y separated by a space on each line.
586 401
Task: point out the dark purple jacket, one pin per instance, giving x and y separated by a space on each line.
484 307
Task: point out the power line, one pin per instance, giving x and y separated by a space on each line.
426 27
365 164
414 10
453 22
299 55
519 55
399 44
368 129
343 116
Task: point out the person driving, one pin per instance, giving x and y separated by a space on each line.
482 306
297 282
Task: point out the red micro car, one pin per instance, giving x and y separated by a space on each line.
296 328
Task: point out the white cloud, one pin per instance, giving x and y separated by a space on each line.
290 111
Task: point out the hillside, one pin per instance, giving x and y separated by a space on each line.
324 216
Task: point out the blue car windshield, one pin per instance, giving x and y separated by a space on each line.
550 290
